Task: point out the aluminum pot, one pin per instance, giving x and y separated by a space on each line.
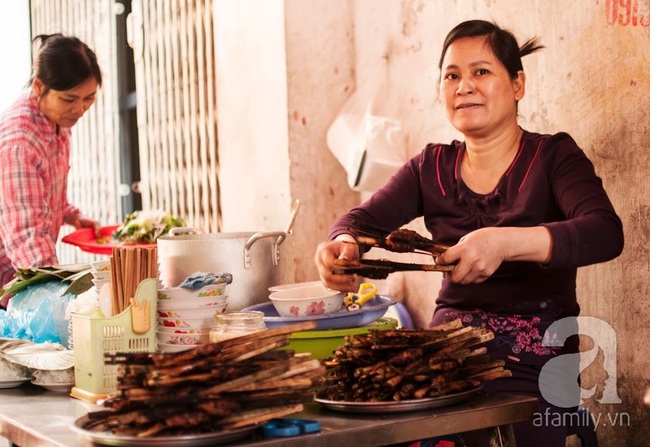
253 259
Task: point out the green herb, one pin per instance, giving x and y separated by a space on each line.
145 227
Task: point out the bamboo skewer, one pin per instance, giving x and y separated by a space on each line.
404 246
114 294
381 267
117 275
127 274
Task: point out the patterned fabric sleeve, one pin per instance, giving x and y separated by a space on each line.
23 209
69 213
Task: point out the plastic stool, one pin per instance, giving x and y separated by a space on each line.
585 432
401 314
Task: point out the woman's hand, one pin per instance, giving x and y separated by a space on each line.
79 221
477 256
343 247
480 253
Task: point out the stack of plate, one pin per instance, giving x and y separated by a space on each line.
186 316
101 271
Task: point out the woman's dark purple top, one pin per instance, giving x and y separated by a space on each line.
551 182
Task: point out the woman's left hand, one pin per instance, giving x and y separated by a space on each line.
79 221
477 255
480 253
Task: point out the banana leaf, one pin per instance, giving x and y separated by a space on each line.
78 275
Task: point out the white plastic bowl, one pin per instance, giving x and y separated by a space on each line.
100 282
100 266
307 301
102 276
204 301
193 312
187 323
164 347
177 330
171 338
173 293
295 285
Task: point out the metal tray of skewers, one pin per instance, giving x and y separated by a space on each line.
390 371
189 440
398 406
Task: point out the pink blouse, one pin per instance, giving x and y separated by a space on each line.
34 162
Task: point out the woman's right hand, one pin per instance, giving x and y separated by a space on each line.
343 247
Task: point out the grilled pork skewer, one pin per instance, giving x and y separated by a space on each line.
400 241
381 268
394 242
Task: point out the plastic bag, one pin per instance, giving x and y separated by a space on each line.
370 147
37 313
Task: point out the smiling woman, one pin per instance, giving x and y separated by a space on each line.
35 153
519 211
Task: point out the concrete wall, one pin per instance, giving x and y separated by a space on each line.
592 81
275 101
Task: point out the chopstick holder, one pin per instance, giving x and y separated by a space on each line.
140 319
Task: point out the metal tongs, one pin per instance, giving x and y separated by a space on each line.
399 241
381 268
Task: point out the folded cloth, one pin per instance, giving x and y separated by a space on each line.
200 279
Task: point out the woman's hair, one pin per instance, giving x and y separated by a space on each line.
502 42
64 62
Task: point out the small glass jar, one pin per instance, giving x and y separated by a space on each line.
236 324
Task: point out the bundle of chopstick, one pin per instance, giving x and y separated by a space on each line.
214 387
129 266
406 364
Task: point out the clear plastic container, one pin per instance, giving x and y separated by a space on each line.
236 324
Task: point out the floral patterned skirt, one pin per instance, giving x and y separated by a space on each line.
525 346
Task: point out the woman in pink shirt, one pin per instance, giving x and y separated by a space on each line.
35 153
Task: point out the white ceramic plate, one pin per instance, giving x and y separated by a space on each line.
48 356
56 387
5 384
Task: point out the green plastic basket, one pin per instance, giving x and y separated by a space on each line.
322 344
93 336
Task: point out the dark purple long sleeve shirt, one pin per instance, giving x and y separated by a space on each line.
551 182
